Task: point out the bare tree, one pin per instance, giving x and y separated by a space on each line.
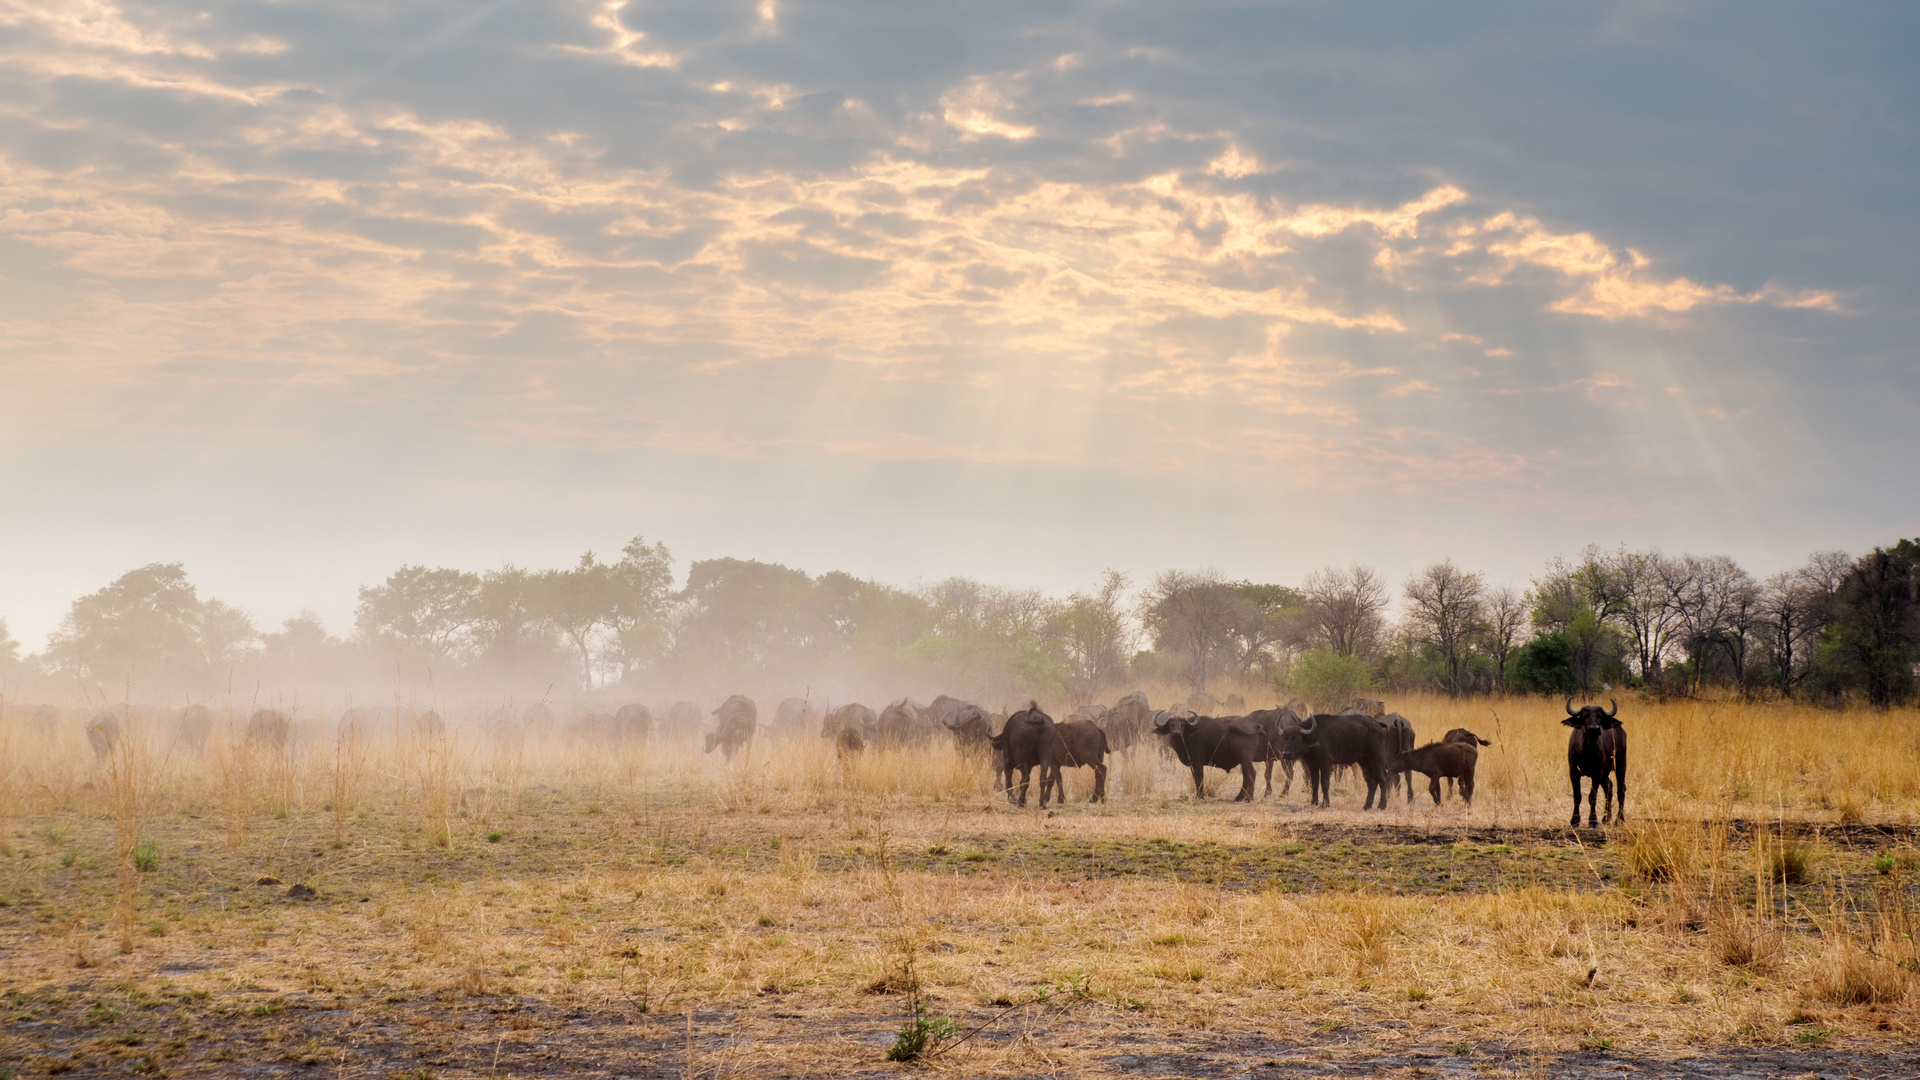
1346 606
1715 602
1506 616
1445 609
1098 634
1191 614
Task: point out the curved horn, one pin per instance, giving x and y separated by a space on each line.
1307 725
1615 709
1570 711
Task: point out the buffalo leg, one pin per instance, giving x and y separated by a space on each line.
1100 781
1269 791
1199 781
1286 766
1246 783
1573 774
1466 789
1026 777
1620 778
1433 789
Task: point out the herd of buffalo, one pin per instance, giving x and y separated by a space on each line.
1378 744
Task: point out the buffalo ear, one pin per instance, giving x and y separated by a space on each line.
1611 722
1573 721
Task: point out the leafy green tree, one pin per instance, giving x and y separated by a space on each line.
10 661
1545 665
1874 637
1270 621
581 603
644 576
1506 616
512 636
1326 680
991 641
147 623
428 611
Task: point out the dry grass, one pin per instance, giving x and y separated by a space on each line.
657 879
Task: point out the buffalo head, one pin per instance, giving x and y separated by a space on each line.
1592 718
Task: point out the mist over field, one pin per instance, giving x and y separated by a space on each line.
681 538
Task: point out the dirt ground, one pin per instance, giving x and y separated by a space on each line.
579 937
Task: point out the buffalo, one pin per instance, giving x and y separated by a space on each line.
1129 721
735 720
1597 749
1025 744
270 729
1453 760
1461 734
792 718
1326 741
900 725
632 723
1273 726
1222 742
1399 741
683 720
195 724
103 734
852 716
1076 743
972 730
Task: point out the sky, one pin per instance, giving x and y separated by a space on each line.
295 293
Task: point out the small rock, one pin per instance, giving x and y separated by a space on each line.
268 880
302 892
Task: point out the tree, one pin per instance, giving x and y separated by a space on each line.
146 621
508 628
578 603
1097 634
1445 607
430 611
1346 607
1327 680
1714 601
645 578
1270 621
1876 623
1191 615
10 661
1506 614
223 634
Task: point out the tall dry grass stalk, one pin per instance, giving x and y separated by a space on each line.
235 763
128 777
349 767
435 755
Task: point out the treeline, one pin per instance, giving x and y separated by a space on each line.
1838 628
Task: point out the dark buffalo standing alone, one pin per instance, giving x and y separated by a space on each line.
735 720
1326 741
1222 742
1076 743
1453 760
1025 744
1596 749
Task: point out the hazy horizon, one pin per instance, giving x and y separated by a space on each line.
298 294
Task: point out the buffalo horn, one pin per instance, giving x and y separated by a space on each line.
1570 711
1615 709
1307 725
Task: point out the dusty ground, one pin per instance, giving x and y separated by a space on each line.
663 934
